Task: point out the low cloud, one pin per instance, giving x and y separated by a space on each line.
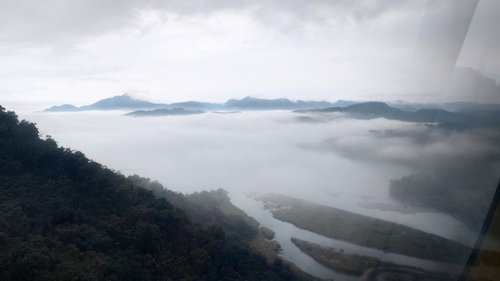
455 172
37 22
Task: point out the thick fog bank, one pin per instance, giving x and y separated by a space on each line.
453 171
378 167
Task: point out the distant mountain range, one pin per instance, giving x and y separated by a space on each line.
164 112
464 114
449 106
250 103
370 110
126 102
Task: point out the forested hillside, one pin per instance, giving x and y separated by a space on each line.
65 217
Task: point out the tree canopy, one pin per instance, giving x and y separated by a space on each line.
65 217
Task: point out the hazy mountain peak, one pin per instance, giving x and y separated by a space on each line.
252 103
248 98
118 102
124 101
119 98
370 105
64 107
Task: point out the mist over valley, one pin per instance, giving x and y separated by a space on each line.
384 169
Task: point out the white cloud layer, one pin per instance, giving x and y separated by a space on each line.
78 51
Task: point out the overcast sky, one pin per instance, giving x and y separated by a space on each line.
78 51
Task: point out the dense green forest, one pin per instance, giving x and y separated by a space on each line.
65 217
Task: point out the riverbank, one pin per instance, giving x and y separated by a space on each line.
264 242
363 230
358 265
270 249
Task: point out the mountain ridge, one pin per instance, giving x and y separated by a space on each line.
164 112
371 110
126 102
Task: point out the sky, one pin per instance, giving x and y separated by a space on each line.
79 51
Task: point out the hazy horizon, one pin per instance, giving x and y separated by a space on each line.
357 191
27 106
216 50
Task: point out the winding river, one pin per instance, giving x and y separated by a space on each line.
285 231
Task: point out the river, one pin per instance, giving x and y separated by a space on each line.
285 231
